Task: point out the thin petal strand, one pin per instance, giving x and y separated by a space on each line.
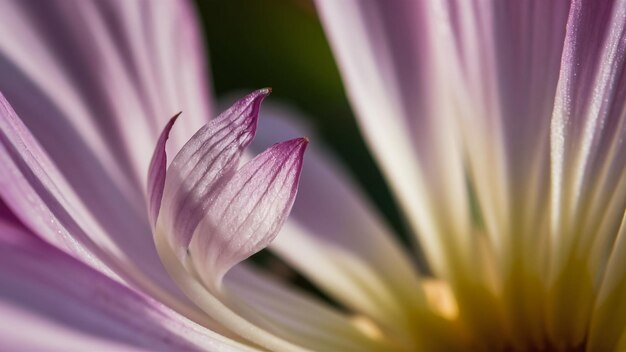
587 162
156 172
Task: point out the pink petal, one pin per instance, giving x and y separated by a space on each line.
200 168
6 215
95 82
36 192
130 66
156 172
50 301
244 214
249 210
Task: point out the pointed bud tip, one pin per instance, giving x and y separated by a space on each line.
175 117
256 98
292 146
300 142
261 93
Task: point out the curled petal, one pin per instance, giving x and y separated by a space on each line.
156 172
202 166
241 218
250 209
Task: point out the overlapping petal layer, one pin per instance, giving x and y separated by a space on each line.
588 190
513 113
52 301
94 82
203 166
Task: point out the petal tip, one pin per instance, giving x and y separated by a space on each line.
295 146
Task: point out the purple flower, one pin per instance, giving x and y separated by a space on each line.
499 125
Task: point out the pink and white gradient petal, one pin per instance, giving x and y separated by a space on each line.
202 167
94 82
51 301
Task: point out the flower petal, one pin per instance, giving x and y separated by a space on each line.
455 98
386 59
587 161
244 214
202 166
94 82
299 317
156 172
609 314
68 305
126 59
36 192
248 211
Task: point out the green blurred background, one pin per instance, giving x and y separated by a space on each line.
281 44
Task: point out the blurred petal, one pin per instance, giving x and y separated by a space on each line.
385 56
202 166
509 53
6 215
455 99
130 66
587 158
609 313
50 301
94 82
297 315
37 193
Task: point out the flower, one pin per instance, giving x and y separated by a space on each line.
499 126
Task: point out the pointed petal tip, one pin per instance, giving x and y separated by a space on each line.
170 123
259 94
252 104
292 146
